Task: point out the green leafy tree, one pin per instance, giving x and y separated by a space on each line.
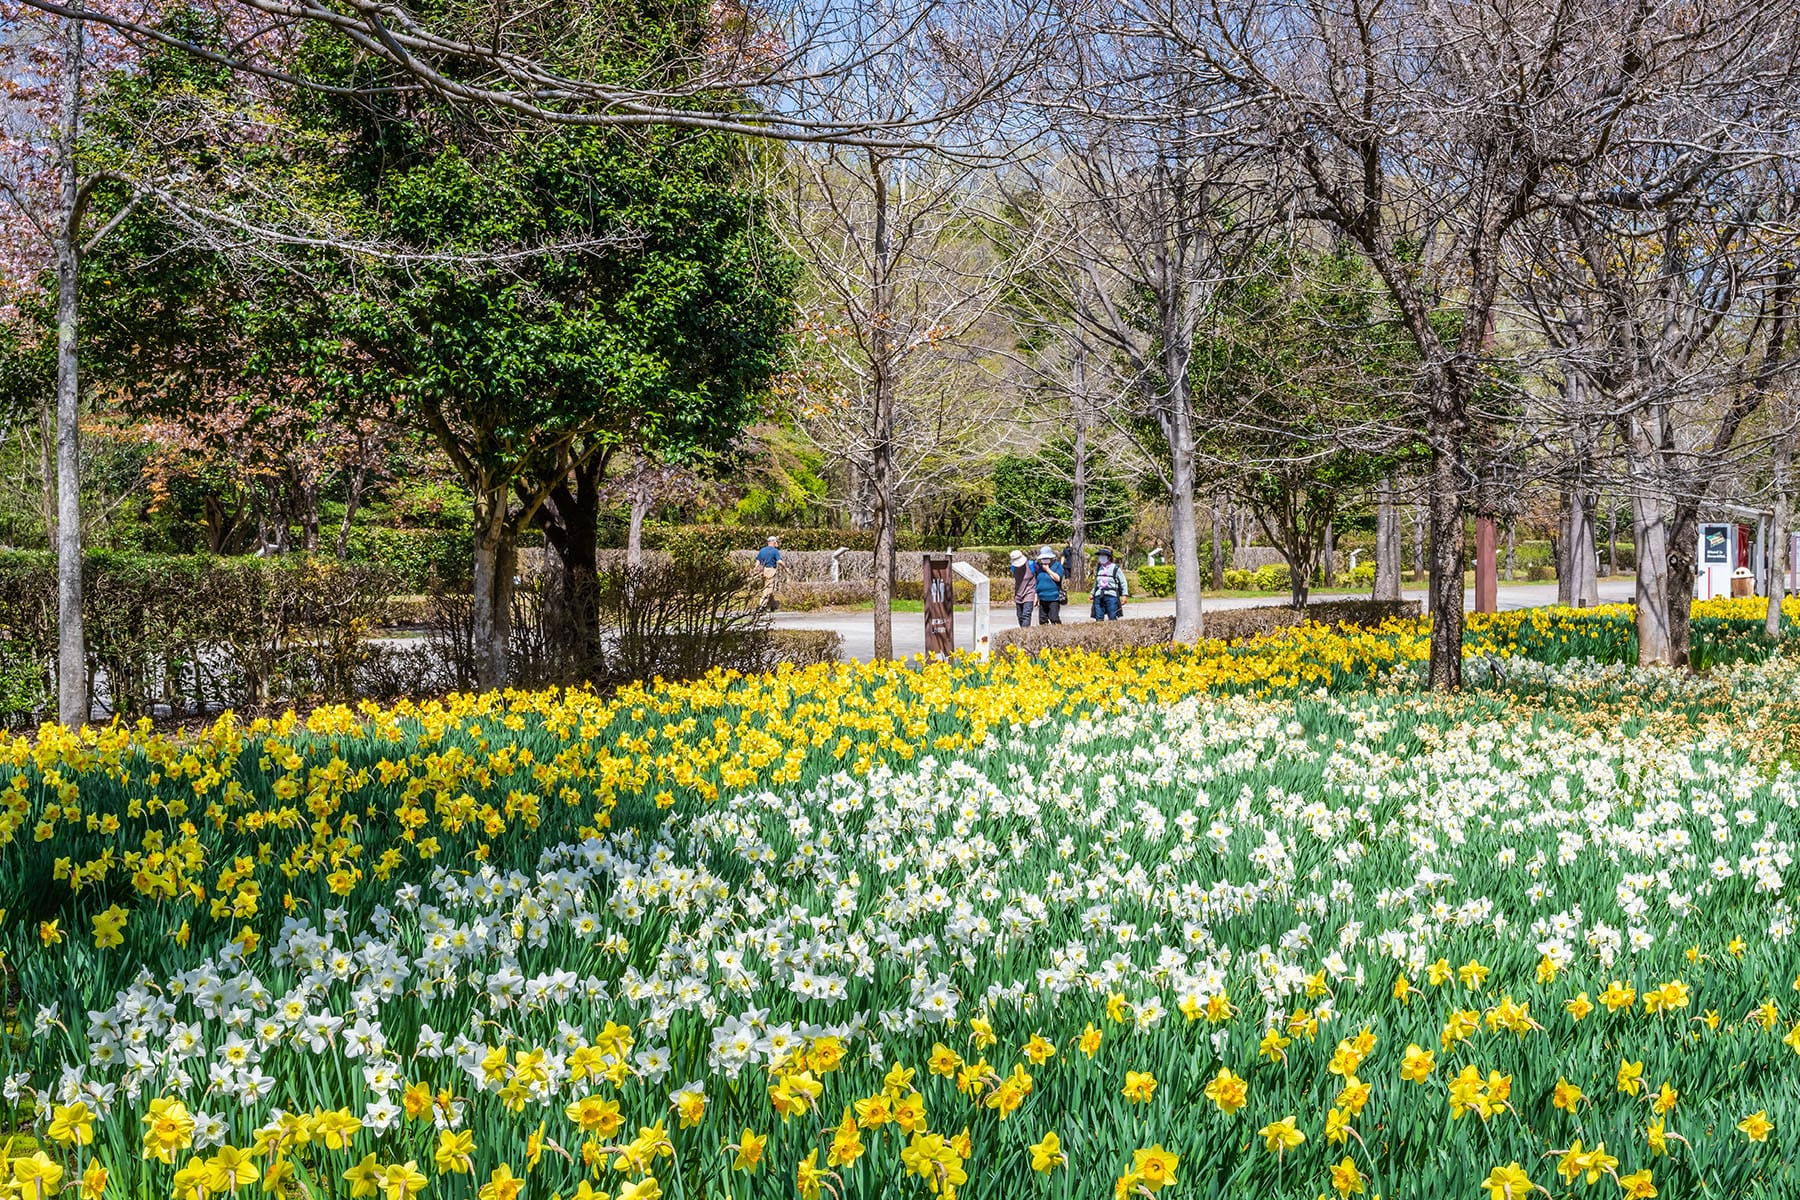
1034 495
531 301
1299 386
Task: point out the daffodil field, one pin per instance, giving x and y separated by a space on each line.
1229 921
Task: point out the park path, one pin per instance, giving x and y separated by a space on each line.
858 628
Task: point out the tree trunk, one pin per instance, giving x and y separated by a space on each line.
1418 554
47 454
1612 537
1778 538
1218 546
1565 568
1184 534
1078 496
634 534
570 518
1511 530
1683 550
1584 587
1327 552
1650 531
306 506
1387 544
72 707
1299 586
881 456
352 502
1446 587
495 560
1234 534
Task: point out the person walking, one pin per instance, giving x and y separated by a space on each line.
1047 582
769 559
1024 587
1110 588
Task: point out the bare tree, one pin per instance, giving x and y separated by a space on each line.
1780 544
509 62
50 194
902 281
1154 223
1674 326
1424 131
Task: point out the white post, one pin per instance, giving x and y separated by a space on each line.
1155 557
982 612
835 556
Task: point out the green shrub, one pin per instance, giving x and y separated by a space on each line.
1238 579
418 559
24 685
1361 575
1156 581
1272 578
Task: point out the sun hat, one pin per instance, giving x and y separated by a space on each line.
1045 552
1018 558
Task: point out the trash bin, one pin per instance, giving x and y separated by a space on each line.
1742 583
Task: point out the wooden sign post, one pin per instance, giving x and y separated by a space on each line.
940 612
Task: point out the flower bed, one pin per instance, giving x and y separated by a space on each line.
1206 922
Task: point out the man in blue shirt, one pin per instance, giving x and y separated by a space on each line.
769 559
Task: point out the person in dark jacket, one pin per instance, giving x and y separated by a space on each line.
1024 587
1047 580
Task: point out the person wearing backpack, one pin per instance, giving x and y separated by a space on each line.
1024 587
1047 582
1110 588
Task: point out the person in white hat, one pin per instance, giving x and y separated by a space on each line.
1024 588
1047 581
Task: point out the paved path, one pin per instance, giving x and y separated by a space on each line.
858 628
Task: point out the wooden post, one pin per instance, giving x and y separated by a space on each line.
1487 574
940 609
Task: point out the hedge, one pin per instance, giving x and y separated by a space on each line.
192 633
1228 624
1124 634
804 647
722 538
418 559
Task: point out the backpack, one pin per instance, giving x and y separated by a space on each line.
1109 580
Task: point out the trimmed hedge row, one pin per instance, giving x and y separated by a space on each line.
804 647
1227 624
193 633
724 538
419 560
